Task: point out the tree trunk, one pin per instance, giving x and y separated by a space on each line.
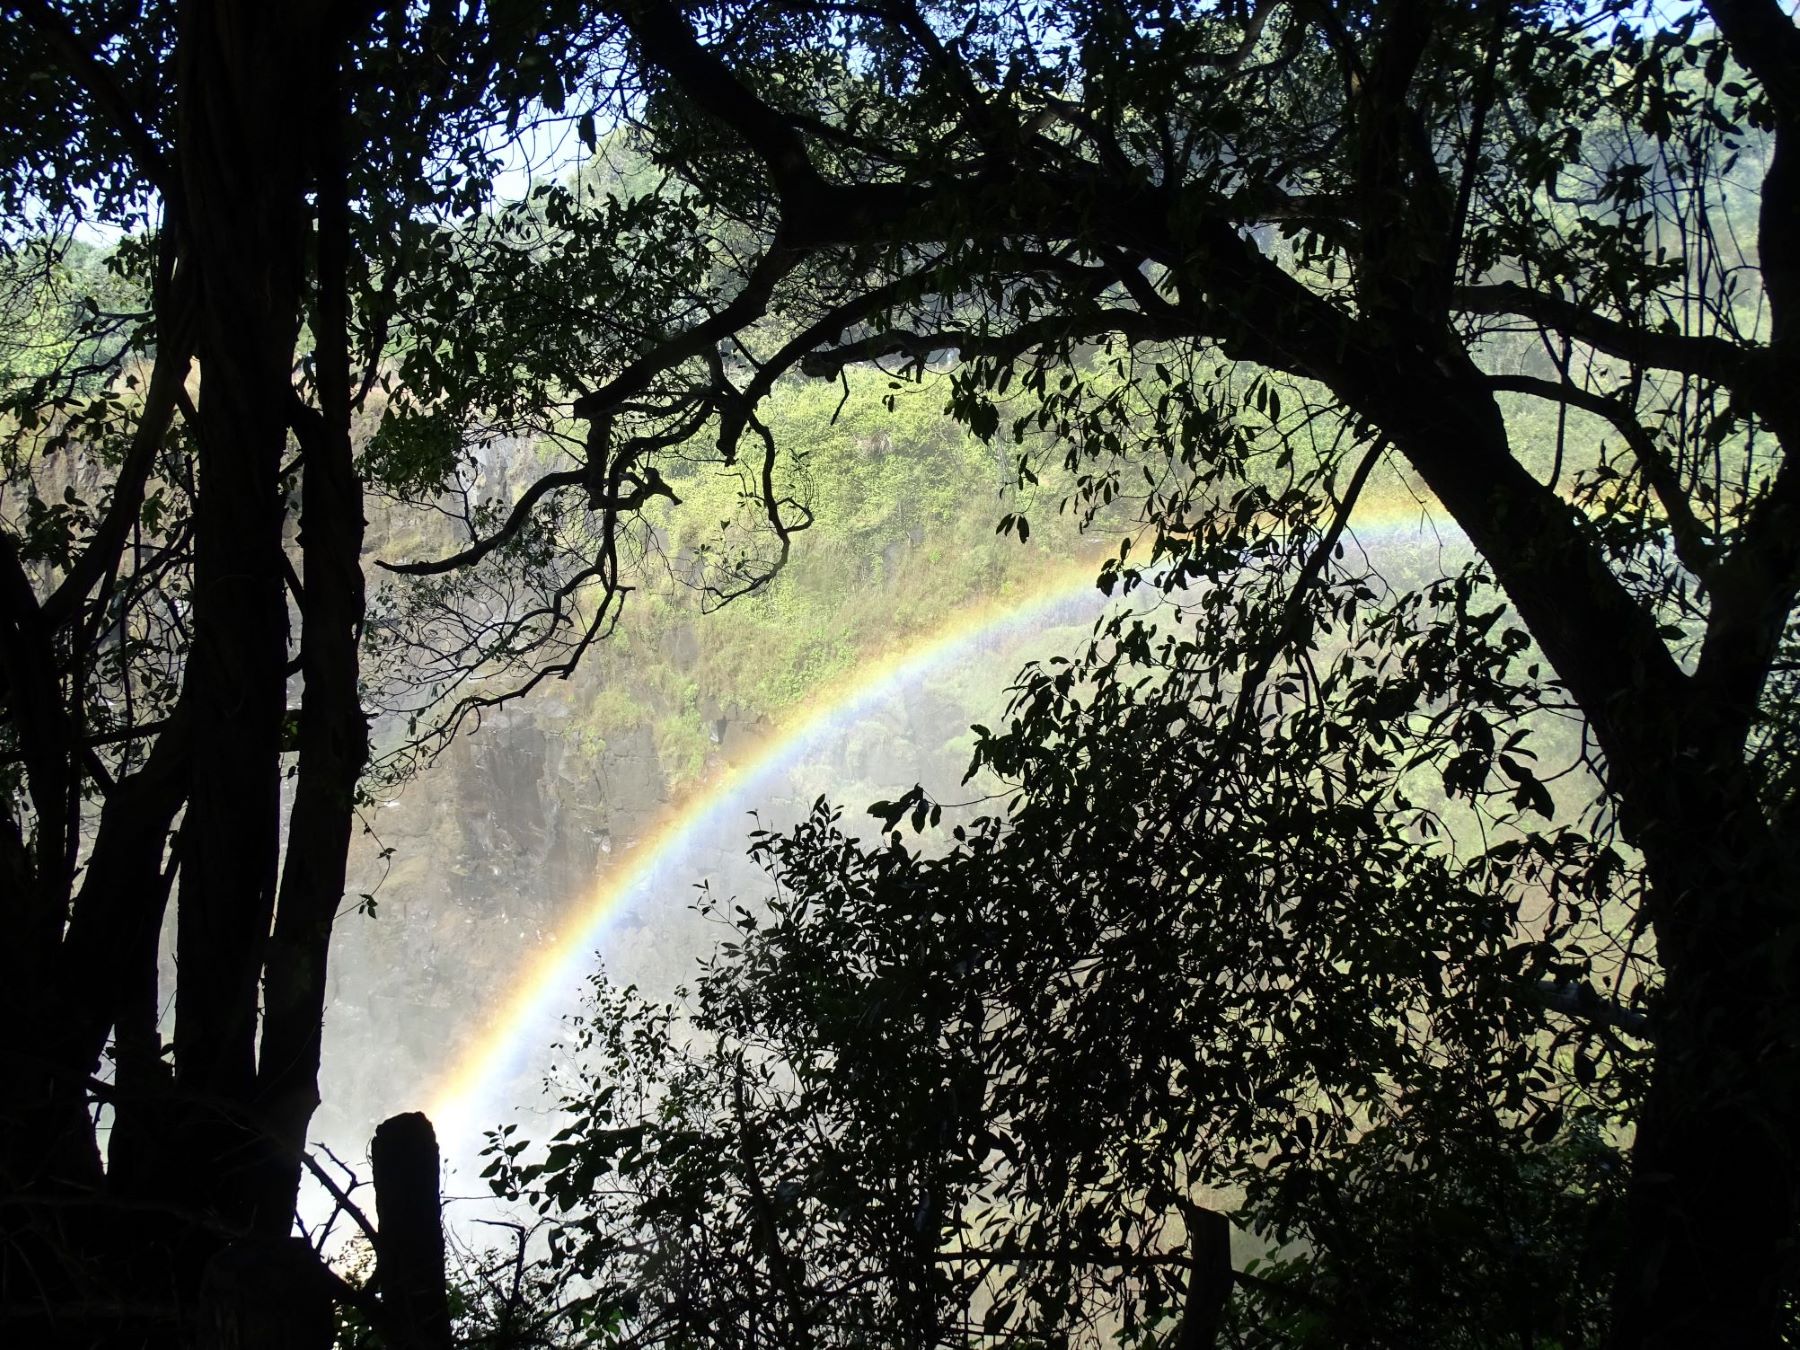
1712 1215
333 735
246 146
1210 1279
265 1294
1712 1206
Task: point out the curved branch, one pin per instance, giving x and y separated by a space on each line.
807 348
118 736
772 505
1696 552
1131 324
747 306
471 706
167 377
739 411
1740 368
669 42
515 521
1257 670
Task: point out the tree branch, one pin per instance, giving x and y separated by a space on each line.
117 914
1131 324
743 309
668 42
1754 590
515 521
1742 369
1581 1002
167 375
1692 546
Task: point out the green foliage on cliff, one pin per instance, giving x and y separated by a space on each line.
904 543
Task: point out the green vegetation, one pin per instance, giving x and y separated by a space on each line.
905 502
1297 915
1301 913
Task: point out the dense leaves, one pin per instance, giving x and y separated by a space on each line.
1284 947
1336 890
1313 850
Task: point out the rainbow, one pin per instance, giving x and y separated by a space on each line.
551 985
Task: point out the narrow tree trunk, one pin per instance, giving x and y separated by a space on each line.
1210 1279
333 735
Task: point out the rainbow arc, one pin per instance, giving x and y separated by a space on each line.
549 988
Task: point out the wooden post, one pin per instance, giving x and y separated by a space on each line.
409 1248
1210 1278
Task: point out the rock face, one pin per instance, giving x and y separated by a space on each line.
490 849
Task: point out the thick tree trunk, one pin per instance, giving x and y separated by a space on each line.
1712 1198
1712 1213
245 148
265 1294
59 1244
1710 1209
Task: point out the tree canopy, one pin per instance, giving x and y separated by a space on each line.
1539 257
1297 240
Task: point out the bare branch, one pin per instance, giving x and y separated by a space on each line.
340 1196
515 521
1131 324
